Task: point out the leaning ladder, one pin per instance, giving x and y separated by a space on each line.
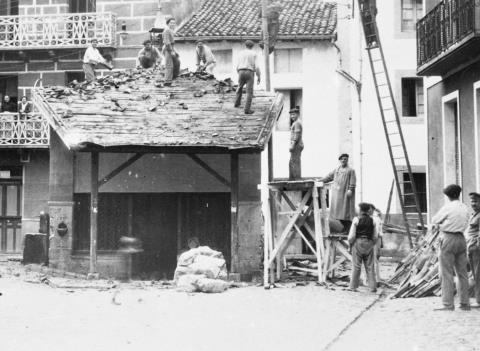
391 121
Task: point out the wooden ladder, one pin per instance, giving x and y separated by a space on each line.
409 201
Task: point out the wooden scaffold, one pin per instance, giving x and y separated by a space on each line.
325 246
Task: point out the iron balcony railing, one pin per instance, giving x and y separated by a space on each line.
445 25
69 30
24 130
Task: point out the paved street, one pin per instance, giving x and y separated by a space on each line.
140 316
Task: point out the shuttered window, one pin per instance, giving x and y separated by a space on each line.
288 60
412 11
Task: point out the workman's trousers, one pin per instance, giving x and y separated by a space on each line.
172 67
246 77
210 66
295 164
363 252
146 62
453 257
89 72
474 254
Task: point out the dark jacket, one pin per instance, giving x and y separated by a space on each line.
8 107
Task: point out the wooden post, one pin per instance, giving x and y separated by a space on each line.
318 233
234 181
266 44
93 212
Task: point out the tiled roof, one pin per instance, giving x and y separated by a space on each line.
239 19
138 113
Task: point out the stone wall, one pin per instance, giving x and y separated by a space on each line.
42 7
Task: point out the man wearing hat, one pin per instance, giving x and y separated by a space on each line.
296 145
473 243
172 61
342 192
247 66
452 220
205 58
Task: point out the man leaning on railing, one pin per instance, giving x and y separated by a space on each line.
8 105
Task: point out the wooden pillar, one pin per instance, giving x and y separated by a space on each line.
234 187
93 212
270 159
320 250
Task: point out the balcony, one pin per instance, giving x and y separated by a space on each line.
23 131
69 30
448 37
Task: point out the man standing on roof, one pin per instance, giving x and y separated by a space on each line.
342 192
149 56
247 66
91 59
205 59
172 61
296 145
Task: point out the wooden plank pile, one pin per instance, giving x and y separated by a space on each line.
418 274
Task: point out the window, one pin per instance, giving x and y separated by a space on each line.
420 180
9 8
224 61
452 151
412 97
78 6
412 10
288 60
292 98
9 86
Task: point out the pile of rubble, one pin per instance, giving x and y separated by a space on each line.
201 270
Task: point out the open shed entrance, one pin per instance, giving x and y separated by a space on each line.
164 222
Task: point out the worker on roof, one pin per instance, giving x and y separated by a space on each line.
342 198
172 61
362 237
452 220
91 59
205 58
149 56
296 145
247 66
473 243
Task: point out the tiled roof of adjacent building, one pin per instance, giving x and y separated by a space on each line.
239 19
128 109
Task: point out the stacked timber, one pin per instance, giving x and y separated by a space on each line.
418 274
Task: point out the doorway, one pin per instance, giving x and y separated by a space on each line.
10 211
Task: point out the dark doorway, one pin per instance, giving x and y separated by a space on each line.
10 210
420 180
9 8
80 6
163 222
9 86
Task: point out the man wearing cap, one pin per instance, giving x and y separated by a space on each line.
172 61
473 243
452 220
91 59
342 192
149 56
247 66
296 145
205 58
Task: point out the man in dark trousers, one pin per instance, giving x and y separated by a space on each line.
172 61
149 56
452 220
296 145
473 243
363 237
247 66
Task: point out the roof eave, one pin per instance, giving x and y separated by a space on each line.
254 37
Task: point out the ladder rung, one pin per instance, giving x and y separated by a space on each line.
410 206
409 194
391 121
396 145
405 182
396 133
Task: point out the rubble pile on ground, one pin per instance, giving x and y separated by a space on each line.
201 270
418 273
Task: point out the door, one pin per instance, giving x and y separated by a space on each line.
10 216
81 6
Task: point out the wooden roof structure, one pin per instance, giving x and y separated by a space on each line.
131 111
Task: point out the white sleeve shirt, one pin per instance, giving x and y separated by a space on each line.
92 54
452 217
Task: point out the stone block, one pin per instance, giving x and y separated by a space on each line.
135 39
33 10
127 52
27 79
144 9
42 2
147 23
121 10
60 2
12 67
24 3
50 10
70 66
124 64
41 66
53 78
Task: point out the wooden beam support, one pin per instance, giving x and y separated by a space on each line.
234 188
120 168
209 169
93 212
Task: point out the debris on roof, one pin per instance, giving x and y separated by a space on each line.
133 107
239 19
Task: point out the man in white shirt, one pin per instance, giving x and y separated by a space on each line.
205 58
247 66
452 220
91 59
